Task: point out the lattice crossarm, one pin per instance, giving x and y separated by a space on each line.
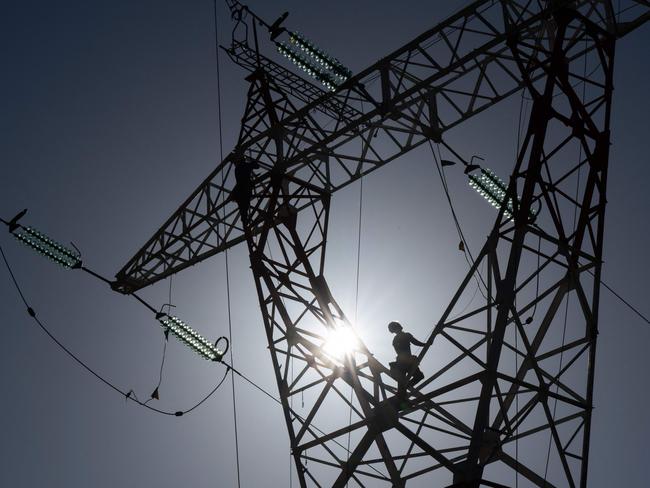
459 68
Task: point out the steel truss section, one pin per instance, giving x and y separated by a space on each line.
533 342
511 376
440 79
509 392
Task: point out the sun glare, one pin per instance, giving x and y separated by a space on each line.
340 342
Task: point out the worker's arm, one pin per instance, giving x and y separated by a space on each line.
415 342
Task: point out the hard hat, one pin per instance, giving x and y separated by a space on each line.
394 327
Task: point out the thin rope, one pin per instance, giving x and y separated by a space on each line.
130 395
568 297
155 393
356 302
537 273
290 361
291 407
165 341
466 250
557 387
517 409
230 349
302 419
523 108
356 292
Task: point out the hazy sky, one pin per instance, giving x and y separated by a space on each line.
108 122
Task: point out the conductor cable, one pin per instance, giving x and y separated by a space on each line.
129 395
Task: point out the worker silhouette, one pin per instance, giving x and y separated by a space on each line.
406 364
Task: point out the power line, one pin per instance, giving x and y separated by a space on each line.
130 395
232 359
629 305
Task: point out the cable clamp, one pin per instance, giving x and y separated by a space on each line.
13 223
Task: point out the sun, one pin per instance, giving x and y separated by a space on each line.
341 341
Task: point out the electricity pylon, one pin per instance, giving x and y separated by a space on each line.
510 393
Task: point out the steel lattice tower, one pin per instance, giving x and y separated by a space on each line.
512 375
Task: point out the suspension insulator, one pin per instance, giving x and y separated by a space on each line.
192 338
494 189
47 247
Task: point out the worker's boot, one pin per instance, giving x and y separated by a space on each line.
417 377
